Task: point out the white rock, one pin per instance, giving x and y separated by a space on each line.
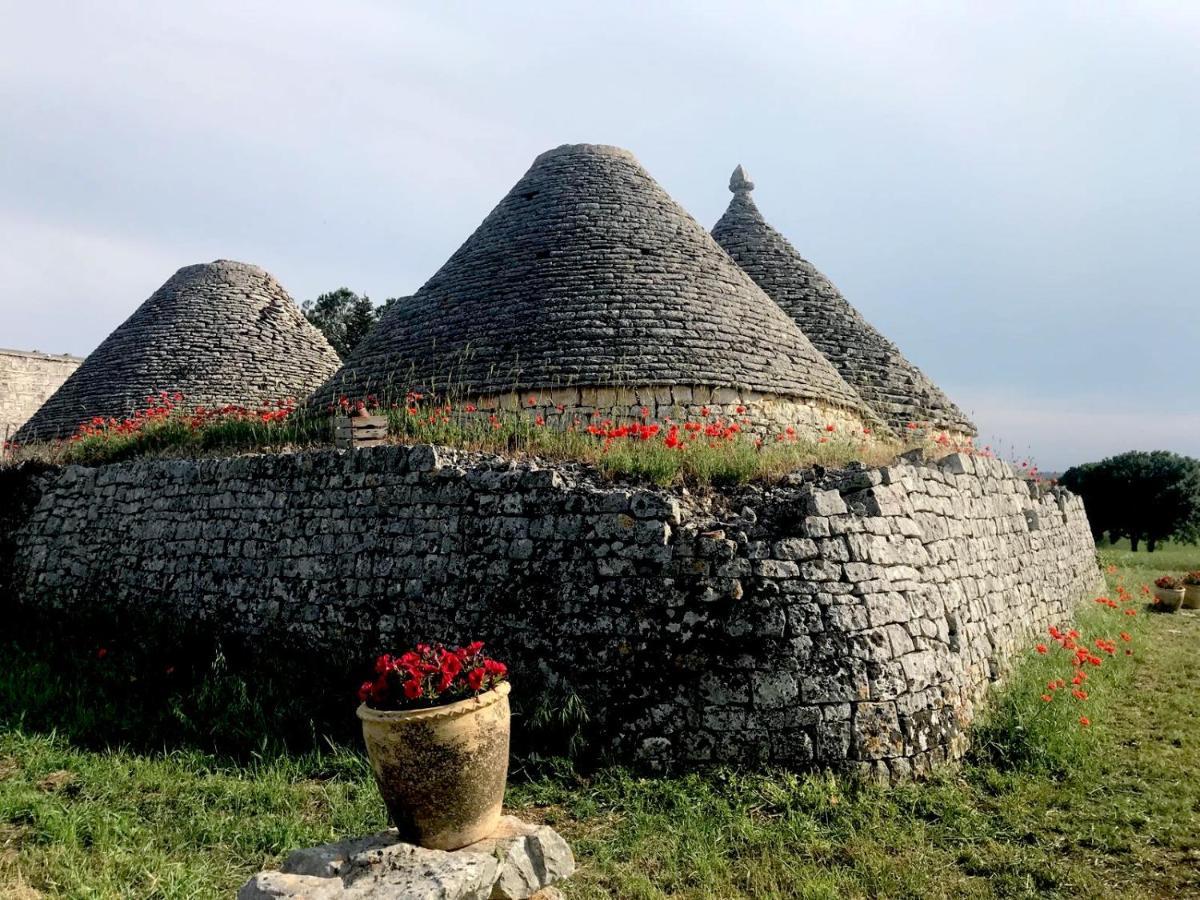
515 863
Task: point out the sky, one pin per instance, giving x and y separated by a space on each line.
1009 192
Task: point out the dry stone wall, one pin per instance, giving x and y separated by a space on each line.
27 379
850 618
764 414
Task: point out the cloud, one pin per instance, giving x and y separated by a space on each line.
1007 191
67 287
1060 432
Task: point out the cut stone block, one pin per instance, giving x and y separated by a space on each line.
518 861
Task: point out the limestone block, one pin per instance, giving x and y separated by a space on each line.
514 863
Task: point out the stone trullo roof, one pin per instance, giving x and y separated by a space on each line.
588 274
221 333
895 388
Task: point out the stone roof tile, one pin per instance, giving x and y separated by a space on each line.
588 274
895 388
221 333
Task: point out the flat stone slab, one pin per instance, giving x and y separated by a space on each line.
518 861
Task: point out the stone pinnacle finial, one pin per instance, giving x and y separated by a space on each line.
739 181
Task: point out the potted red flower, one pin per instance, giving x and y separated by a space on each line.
1168 591
1191 590
436 724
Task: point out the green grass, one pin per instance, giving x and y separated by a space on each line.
1043 808
697 459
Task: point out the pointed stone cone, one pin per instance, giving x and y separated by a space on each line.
895 388
221 333
588 274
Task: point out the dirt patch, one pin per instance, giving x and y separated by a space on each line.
57 781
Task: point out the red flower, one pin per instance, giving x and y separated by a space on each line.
495 669
1047 697
532 401
1041 648
1085 721
101 652
427 675
830 428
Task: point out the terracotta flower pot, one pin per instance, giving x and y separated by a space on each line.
1191 596
1169 599
442 770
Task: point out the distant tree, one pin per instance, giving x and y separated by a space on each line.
1087 480
1151 496
344 317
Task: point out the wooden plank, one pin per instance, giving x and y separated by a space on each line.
357 433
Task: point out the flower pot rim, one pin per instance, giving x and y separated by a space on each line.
458 708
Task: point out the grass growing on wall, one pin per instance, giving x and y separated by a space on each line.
102 796
712 449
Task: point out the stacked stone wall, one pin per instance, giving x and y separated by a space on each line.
756 412
851 618
27 379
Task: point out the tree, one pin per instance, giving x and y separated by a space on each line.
1151 496
344 317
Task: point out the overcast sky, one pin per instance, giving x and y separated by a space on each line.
1011 192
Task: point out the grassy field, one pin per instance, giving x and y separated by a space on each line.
1045 807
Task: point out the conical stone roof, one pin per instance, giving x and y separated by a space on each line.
221 333
894 387
588 273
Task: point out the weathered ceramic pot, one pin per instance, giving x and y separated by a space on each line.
442 770
1169 599
1191 596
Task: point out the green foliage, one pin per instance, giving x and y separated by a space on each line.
342 316
1151 496
174 436
1019 731
700 462
145 683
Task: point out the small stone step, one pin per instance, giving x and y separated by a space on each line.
518 861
